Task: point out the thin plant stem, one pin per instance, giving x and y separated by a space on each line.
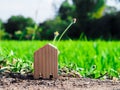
65 31
54 39
55 36
34 34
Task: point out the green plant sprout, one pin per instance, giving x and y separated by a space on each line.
74 21
56 33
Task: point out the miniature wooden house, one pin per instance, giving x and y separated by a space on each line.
46 62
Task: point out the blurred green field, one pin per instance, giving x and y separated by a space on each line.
94 59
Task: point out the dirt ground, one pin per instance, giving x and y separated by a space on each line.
26 82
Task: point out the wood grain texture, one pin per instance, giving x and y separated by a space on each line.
46 62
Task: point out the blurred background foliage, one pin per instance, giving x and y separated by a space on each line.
95 20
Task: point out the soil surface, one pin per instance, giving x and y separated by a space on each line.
26 82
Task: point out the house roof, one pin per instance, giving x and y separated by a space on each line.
47 45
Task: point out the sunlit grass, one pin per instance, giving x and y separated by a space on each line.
94 59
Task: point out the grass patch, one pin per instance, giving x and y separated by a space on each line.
94 59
